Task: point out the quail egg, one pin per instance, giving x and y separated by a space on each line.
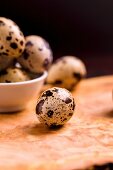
11 75
66 72
12 42
37 55
55 107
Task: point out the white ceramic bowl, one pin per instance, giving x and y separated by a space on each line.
16 96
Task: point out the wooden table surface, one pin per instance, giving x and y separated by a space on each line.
86 140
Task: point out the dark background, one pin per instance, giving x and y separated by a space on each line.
72 27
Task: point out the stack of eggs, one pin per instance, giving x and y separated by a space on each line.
24 58
21 57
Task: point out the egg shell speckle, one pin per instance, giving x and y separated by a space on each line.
55 107
12 42
37 56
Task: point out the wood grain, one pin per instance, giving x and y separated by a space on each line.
86 140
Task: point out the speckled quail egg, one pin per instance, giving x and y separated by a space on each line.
5 61
55 107
37 56
12 41
11 75
66 72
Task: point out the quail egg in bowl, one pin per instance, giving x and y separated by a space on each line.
15 96
24 62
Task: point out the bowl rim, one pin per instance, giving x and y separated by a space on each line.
43 76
